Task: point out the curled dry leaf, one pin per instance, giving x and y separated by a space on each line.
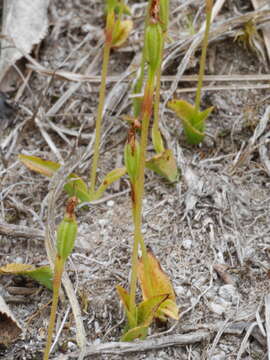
9 327
25 24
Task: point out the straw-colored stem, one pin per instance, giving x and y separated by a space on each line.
106 55
209 5
58 271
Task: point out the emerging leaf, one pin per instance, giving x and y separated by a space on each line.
43 274
121 32
161 285
193 120
75 185
164 164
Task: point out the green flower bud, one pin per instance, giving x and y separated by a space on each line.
153 45
132 158
67 231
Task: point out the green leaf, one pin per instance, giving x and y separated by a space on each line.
43 274
111 177
125 298
75 185
157 140
147 309
139 332
164 164
193 120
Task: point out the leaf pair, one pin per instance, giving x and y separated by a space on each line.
193 120
159 302
75 185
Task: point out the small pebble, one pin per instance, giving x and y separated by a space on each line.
71 345
229 293
216 308
103 222
187 243
110 203
219 356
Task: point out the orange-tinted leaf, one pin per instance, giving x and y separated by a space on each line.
15 269
164 164
161 284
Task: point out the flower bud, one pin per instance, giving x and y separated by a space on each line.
132 158
153 45
67 231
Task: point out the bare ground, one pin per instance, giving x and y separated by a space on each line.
210 231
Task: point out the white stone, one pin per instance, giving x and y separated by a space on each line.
110 203
187 243
216 308
229 293
219 356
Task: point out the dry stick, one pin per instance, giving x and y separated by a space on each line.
121 348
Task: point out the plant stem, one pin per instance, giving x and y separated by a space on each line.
138 194
58 271
209 6
106 55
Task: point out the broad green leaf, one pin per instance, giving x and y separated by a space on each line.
111 177
164 164
75 185
43 274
